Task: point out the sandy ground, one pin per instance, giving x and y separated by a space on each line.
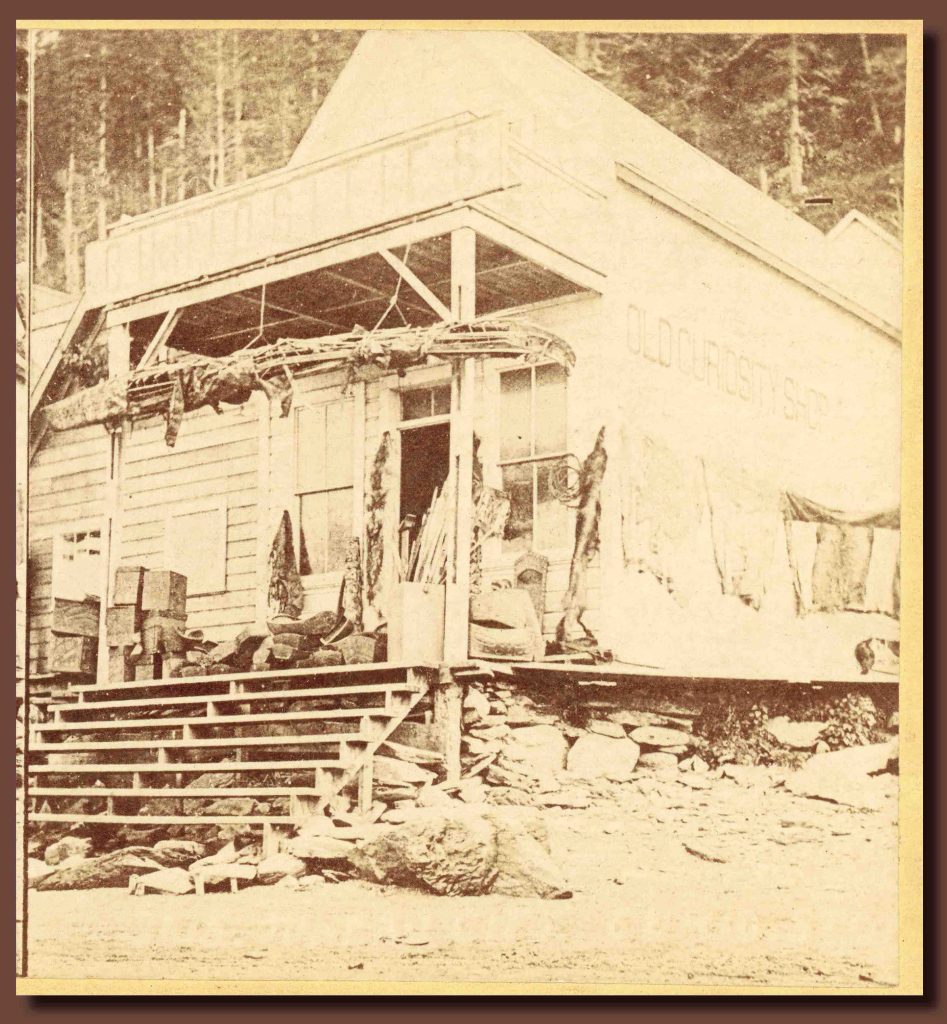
806 894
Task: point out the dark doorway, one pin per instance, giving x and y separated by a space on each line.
425 462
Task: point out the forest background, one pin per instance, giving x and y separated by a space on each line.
130 120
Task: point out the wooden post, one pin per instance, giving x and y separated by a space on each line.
448 721
118 342
463 308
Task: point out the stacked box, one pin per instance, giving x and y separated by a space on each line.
160 633
122 624
76 618
73 654
121 666
148 666
128 585
164 591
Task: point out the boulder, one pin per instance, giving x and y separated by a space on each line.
237 806
320 847
593 757
503 796
655 760
604 727
447 855
183 846
524 867
846 776
175 881
430 796
111 871
659 736
68 846
476 705
694 764
271 869
635 719
389 771
213 874
536 750
797 735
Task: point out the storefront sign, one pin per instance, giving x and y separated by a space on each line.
724 368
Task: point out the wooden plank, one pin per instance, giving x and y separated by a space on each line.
308 740
160 340
417 284
235 698
275 718
185 792
164 819
185 768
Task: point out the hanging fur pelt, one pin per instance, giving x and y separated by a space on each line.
374 519
588 513
352 585
285 589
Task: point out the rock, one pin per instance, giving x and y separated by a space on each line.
110 871
37 869
536 750
433 797
447 855
168 880
272 869
476 705
416 755
797 735
237 806
746 774
508 796
602 727
498 775
524 867
213 780
693 781
288 882
845 776
656 760
694 764
320 848
636 719
310 881
68 846
471 790
658 736
894 721
566 798
593 757
389 771
184 846
213 874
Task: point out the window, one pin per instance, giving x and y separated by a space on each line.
532 442
77 555
324 485
196 546
419 403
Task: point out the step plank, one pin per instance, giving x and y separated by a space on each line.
308 740
237 698
166 819
146 792
274 718
185 767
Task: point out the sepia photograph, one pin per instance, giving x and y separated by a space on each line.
459 507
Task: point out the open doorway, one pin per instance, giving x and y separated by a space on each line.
425 463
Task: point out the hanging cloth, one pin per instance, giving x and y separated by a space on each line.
286 590
840 567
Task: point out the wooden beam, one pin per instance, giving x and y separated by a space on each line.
463 309
409 276
161 337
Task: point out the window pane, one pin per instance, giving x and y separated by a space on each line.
552 517
550 410
415 405
339 529
338 445
515 414
518 484
440 403
312 533
310 448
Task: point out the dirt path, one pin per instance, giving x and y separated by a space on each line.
796 892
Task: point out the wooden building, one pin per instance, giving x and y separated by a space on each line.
740 362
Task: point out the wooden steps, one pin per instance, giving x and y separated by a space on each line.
372 699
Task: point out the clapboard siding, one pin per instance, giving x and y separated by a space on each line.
67 479
214 457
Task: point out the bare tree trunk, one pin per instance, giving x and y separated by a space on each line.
796 185
102 184
875 112
764 180
152 176
583 50
163 201
316 88
42 253
239 153
68 228
220 177
182 156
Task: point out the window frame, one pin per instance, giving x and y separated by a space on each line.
320 400
553 551
91 525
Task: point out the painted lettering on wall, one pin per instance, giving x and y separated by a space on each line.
724 368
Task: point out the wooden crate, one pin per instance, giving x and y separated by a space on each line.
76 618
121 669
148 666
121 624
159 633
128 585
164 591
75 654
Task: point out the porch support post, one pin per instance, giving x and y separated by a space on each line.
118 341
463 308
